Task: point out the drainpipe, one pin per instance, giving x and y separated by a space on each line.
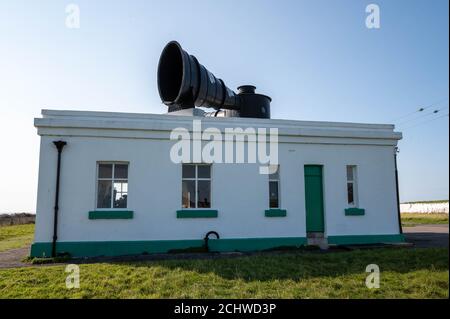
396 151
59 146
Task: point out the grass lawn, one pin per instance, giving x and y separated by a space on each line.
409 219
405 273
16 236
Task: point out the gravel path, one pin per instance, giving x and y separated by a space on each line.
427 236
13 258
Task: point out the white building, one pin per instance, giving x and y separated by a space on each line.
120 193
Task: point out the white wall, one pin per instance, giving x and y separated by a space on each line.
239 192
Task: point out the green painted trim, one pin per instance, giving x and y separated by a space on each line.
254 244
112 248
365 239
118 248
111 214
275 212
355 212
197 213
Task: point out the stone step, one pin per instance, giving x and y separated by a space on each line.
322 243
315 235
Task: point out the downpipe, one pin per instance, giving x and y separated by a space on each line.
396 151
59 146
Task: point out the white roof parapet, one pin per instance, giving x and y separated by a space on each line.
55 119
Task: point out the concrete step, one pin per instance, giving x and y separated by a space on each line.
315 235
322 243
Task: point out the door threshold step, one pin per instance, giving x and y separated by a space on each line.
322 243
315 235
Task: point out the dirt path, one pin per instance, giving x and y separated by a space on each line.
13 258
427 236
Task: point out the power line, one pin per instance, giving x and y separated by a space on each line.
424 122
419 110
422 116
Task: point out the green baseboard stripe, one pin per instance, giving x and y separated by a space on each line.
365 239
118 248
112 248
197 213
254 244
111 214
355 212
275 213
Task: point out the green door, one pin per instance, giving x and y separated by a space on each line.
314 198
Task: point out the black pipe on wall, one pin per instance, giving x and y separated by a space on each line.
206 239
59 146
398 192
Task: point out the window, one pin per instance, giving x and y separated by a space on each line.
352 187
274 187
112 185
196 186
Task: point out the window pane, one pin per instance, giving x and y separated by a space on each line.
120 194
188 194
188 171
104 194
204 171
350 197
276 172
204 194
120 200
118 187
121 171
105 170
350 173
273 192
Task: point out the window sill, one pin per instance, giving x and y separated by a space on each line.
275 212
197 213
355 212
111 214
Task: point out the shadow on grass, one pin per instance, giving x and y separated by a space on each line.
301 264
428 239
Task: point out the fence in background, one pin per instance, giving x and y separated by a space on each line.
17 219
424 208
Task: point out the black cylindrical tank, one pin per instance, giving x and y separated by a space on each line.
253 104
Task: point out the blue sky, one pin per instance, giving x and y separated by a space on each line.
316 59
